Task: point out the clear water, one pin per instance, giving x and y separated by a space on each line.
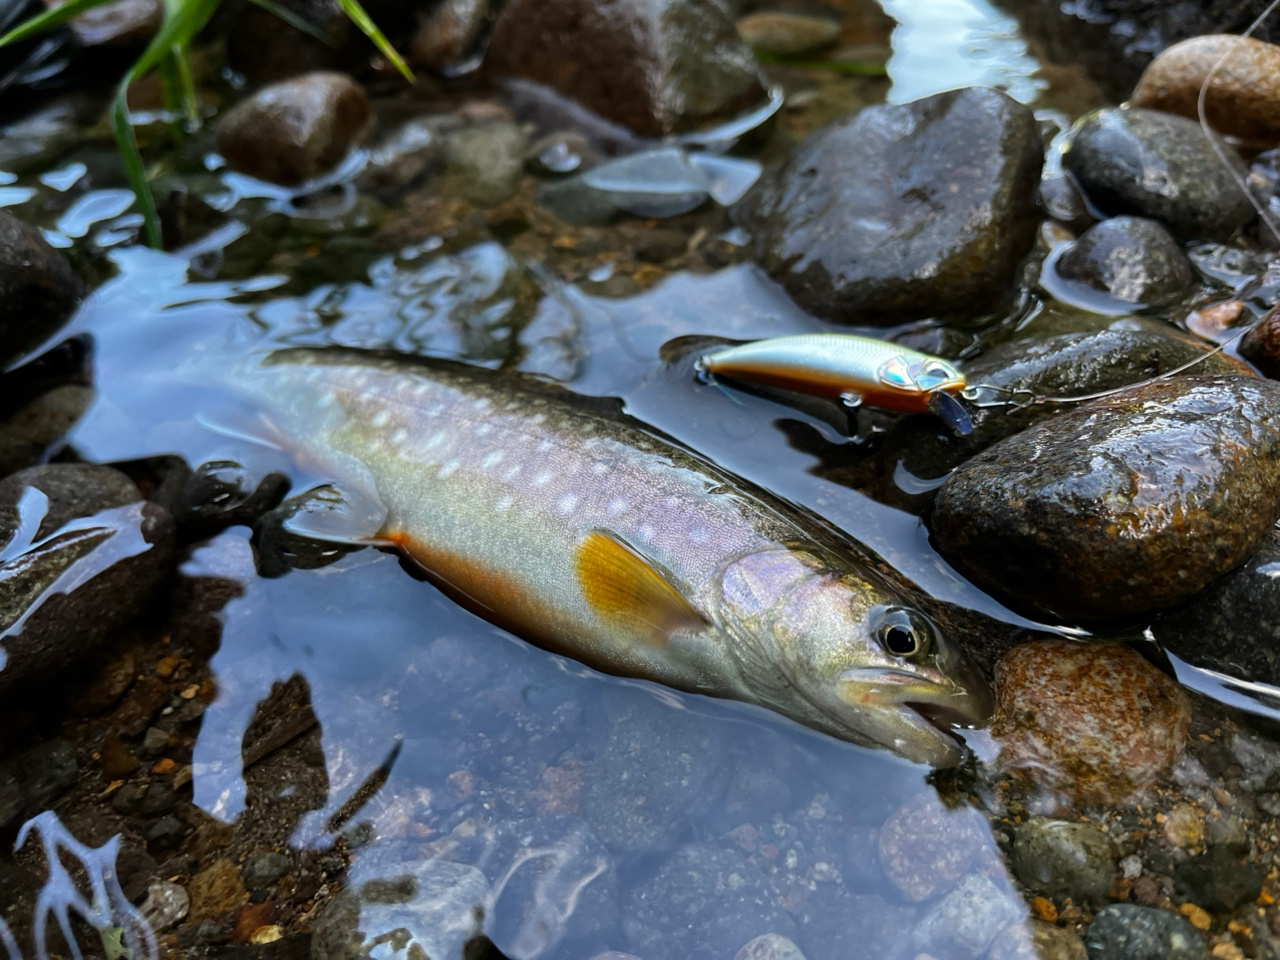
526 796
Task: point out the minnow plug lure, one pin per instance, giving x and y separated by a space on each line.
855 371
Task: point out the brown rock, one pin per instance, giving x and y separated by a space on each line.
1096 724
787 33
215 891
1261 345
296 130
1244 98
655 66
449 33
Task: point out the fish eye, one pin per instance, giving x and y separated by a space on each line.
904 633
933 374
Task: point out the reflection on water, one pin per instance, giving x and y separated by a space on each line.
944 44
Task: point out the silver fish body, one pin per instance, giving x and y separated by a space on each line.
590 536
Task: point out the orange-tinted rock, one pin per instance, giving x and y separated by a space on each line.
1244 98
1095 724
1261 345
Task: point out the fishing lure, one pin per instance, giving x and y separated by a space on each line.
855 371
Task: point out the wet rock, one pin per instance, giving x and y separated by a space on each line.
295 130
559 154
1059 859
964 922
833 918
264 870
216 890
113 548
925 847
1095 514
654 773
44 773
655 66
1130 258
1243 97
755 792
1124 931
703 901
489 158
1063 202
223 493
1261 344
1219 880
432 908
1160 166
448 33
577 204
903 211
38 289
166 904
30 433
787 33
165 834
120 23
264 49
1037 940
1231 626
1052 696
157 800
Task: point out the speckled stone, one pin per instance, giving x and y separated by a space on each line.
1036 940
926 848
1061 859
1124 931
216 890
1242 101
1096 724
770 946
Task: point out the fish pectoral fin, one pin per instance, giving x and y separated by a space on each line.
624 588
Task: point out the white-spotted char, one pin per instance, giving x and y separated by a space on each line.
590 536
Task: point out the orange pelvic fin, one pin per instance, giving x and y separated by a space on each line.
622 587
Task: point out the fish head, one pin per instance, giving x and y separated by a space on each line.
858 661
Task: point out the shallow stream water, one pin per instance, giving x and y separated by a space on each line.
604 813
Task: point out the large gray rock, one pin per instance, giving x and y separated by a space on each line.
295 130
82 554
656 66
1125 931
702 902
1126 504
903 211
1132 259
38 289
1160 166
964 922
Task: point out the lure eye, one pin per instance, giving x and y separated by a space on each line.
933 375
904 633
896 373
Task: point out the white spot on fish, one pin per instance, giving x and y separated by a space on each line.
420 389
538 418
484 429
399 437
617 506
491 459
565 504
513 471
646 531
544 446
448 469
503 505
699 534
542 479
600 468
434 440
380 419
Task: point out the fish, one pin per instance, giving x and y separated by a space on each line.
590 535
851 369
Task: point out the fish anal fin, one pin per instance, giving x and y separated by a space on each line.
623 588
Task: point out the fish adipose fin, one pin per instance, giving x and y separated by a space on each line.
623 588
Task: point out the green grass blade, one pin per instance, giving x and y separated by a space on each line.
298 23
370 29
183 19
127 144
50 19
187 85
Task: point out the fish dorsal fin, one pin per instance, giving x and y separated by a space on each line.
623 588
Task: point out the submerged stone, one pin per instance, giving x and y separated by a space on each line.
295 130
1124 505
1060 859
1125 931
1094 724
925 848
963 923
903 211
1161 166
655 66
788 33
448 33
